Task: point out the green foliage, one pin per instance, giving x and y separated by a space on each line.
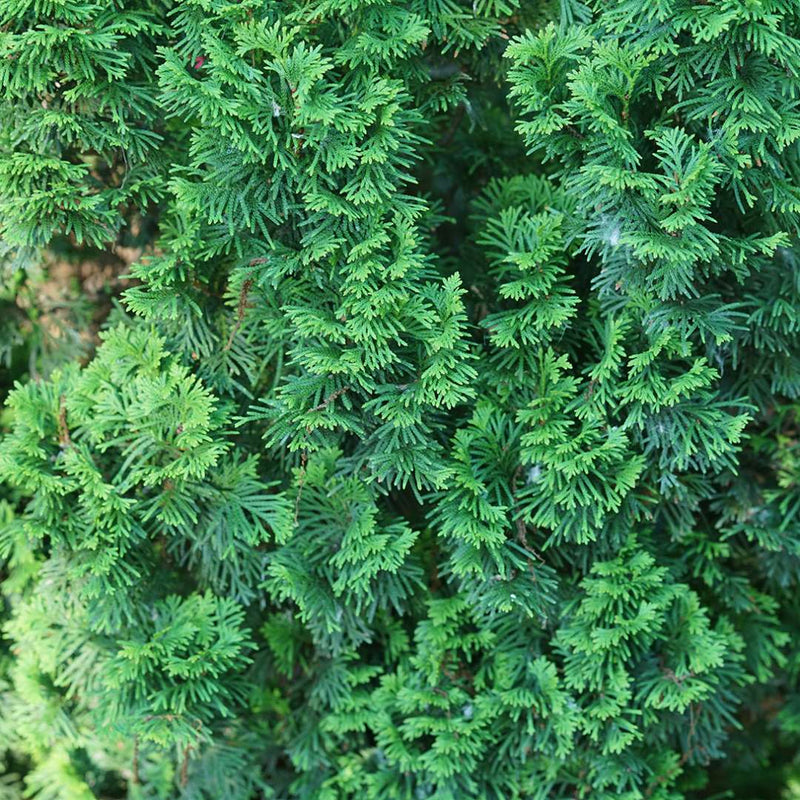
444 441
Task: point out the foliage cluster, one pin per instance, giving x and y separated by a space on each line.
444 442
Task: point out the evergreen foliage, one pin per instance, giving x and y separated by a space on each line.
444 442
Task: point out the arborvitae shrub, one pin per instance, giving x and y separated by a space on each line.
444 442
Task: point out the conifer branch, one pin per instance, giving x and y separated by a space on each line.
557 552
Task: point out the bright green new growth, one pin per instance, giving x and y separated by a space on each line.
444 441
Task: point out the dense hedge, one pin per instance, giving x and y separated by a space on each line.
405 399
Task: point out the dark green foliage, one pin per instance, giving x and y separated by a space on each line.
444 442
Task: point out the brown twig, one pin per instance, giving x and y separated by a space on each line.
246 286
520 523
333 396
63 431
659 779
522 530
300 484
185 766
135 779
574 132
